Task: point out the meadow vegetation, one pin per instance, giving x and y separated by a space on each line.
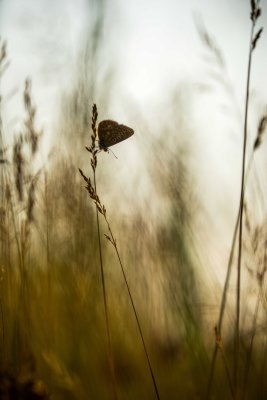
102 299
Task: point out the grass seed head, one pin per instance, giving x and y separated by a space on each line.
261 130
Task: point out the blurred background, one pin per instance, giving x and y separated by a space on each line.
176 73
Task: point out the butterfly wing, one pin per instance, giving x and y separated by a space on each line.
110 133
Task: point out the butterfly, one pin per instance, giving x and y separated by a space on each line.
110 133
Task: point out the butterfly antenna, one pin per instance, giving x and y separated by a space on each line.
113 154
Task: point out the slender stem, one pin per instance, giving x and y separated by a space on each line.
248 360
225 289
110 355
135 312
227 373
238 287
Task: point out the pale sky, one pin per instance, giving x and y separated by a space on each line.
153 46
154 43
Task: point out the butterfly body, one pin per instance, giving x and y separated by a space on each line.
111 132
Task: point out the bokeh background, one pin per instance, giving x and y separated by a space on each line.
176 73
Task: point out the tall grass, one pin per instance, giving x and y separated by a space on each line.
92 190
238 233
87 314
110 237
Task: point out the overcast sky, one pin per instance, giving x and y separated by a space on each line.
153 46
155 42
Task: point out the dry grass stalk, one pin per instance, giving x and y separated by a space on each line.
256 239
32 136
26 178
4 62
19 162
110 237
255 13
100 209
261 130
219 345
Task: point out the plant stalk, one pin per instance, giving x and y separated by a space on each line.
110 355
240 237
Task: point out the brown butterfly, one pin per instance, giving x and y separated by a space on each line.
110 133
